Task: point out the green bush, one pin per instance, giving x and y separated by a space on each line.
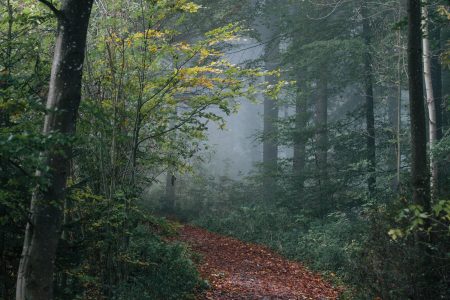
158 270
113 249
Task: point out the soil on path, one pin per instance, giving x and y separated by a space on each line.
237 270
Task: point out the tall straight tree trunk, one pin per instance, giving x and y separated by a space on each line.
270 143
265 27
436 75
368 90
419 167
445 77
432 123
168 204
35 275
393 114
321 123
445 113
399 131
299 158
321 135
400 61
169 201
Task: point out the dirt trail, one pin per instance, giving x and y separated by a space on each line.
238 270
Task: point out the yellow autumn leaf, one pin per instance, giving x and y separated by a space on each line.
190 7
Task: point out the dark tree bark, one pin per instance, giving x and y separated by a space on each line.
420 172
394 107
35 275
445 114
300 138
419 167
325 202
265 26
169 202
270 143
368 90
321 123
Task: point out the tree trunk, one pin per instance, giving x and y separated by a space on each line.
436 76
169 203
399 133
368 89
265 25
445 114
35 275
400 67
419 167
270 143
445 76
321 120
393 114
321 124
300 138
432 125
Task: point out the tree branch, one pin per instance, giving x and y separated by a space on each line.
20 168
53 8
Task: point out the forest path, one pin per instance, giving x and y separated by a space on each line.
237 270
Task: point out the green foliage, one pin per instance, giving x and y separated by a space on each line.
155 78
351 246
161 271
151 87
330 245
112 249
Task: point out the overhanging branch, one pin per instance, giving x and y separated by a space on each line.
50 5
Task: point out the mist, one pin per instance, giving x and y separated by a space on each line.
224 149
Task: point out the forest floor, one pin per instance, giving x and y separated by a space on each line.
238 270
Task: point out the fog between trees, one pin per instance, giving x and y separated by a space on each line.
319 129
